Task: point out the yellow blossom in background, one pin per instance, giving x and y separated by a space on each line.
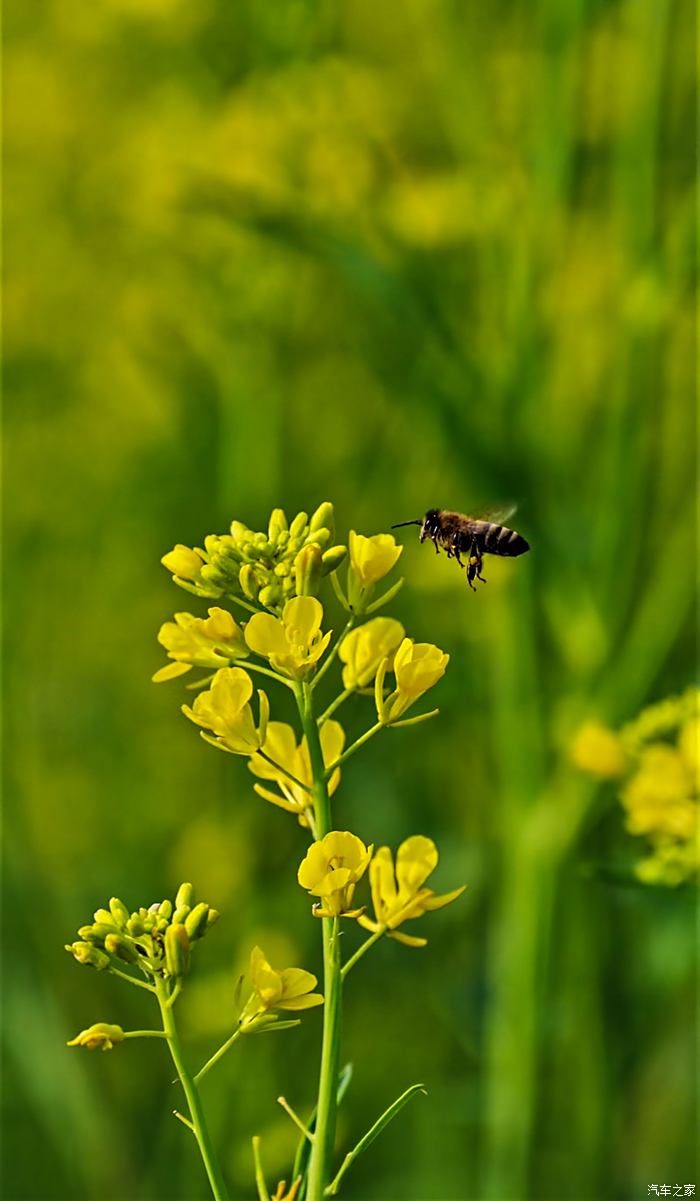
224 710
372 558
281 746
598 750
363 649
331 870
290 989
102 1035
417 666
293 642
398 893
212 641
660 790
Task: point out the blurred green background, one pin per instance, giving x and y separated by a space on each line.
394 256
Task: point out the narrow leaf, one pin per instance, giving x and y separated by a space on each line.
372 1134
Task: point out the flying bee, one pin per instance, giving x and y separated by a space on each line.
473 537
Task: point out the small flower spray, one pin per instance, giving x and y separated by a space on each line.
269 620
655 758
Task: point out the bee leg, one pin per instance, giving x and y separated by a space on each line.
437 548
454 549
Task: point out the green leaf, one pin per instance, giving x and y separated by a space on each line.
372 1133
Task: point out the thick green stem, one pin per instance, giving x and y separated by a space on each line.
320 1166
194 1103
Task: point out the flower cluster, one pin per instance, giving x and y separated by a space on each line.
266 569
156 940
655 757
214 641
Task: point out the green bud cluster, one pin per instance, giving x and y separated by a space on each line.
157 940
268 568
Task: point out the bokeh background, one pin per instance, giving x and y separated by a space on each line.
394 256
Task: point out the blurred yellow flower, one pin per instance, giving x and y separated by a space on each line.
398 894
293 643
363 649
102 1035
598 750
281 746
658 797
331 870
288 989
224 710
417 666
372 558
212 641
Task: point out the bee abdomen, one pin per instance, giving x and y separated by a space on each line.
499 540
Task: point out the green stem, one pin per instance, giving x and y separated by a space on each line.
145 1034
324 1135
264 671
237 600
283 771
334 651
194 1103
114 971
217 1055
355 747
361 950
335 705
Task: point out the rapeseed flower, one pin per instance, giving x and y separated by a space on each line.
281 746
397 891
372 558
599 750
331 870
293 643
363 650
213 641
417 666
102 1035
289 989
223 708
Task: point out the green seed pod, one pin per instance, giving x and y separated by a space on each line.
323 518
177 951
88 955
298 526
121 947
307 569
184 895
332 558
196 921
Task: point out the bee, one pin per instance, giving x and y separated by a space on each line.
473 537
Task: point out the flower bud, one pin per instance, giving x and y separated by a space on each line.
184 562
269 596
307 567
97 933
120 913
165 909
180 914
276 524
135 925
121 947
104 917
185 895
332 559
177 951
299 525
322 519
212 917
102 1034
85 953
196 921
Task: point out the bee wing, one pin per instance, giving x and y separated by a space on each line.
496 514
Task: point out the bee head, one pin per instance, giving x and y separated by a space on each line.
431 525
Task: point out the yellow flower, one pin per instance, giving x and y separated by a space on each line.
211 641
102 1034
288 989
293 643
331 870
417 666
658 797
398 893
363 649
281 746
372 558
598 750
183 562
224 710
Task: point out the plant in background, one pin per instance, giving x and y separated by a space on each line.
655 759
275 578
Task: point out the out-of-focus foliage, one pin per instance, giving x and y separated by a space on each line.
433 254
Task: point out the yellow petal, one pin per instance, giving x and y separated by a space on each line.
296 981
305 1002
266 636
170 672
416 858
302 617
